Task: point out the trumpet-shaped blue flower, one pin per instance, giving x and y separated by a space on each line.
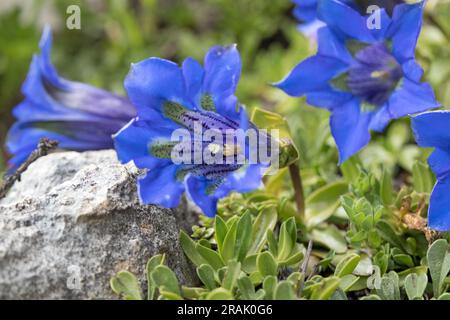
80 117
431 131
170 98
364 72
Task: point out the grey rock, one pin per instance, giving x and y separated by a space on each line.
73 221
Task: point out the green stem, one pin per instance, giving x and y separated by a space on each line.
296 179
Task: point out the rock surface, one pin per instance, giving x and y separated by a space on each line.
73 221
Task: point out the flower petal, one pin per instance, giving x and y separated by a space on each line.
344 20
381 119
161 187
222 71
431 129
411 98
350 129
405 29
310 75
152 82
133 140
439 210
193 76
439 162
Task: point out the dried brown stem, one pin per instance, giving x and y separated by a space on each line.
43 148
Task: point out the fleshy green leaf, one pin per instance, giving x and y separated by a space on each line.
415 285
162 276
266 220
267 264
210 256
323 202
347 265
126 285
189 248
152 263
439 264
285 291
207 275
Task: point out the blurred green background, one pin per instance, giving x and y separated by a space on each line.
115 33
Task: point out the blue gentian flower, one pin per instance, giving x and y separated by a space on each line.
169 98
432 131
365 76
80 117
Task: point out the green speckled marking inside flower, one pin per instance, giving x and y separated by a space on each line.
174 111
207 103
162 150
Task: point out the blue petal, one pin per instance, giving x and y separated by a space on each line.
350 129
196 189
344 20
161 187
52 94
431 129
331 45
311 75
193 76
412 70
222 71
247 179
439 210
411 98
385 22
133 140
327 98
440 162
152 82
381 119
306 10
405 29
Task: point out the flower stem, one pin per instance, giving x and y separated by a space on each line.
296 179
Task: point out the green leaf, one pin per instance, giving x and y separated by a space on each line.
444 296
243 236
211 257
415 285
126 285
207 275
293 259
287 240
322 203
162 276
189 248
231 276
350 169
389 289
347 265
386 189
388 233
285 291
266 220
267 265
272 243
438 257
330 237
269 285
221 229
220 294
371 297
404 259
229 244
423 179
249 264
169 295
152 263
191 293
264 119
246 288
325 289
